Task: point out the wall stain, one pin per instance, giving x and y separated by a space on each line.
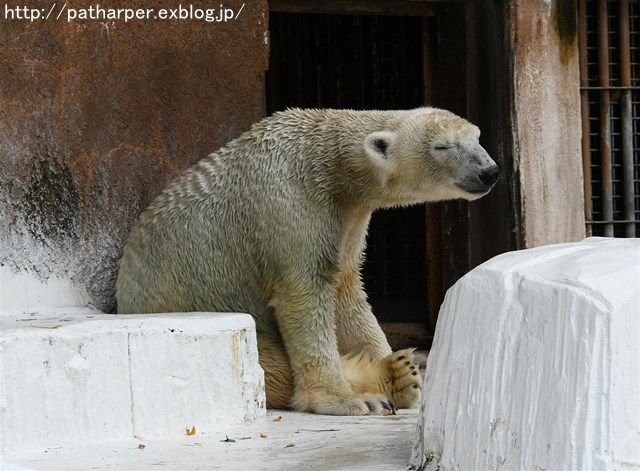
565 24
52 202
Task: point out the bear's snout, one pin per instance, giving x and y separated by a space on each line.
489 176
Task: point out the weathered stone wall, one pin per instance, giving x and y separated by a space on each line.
546 120
97 116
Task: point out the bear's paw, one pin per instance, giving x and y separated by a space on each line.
404 378
367 404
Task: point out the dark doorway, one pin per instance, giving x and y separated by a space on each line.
361 62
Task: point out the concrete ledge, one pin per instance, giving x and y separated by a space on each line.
87 377
536 363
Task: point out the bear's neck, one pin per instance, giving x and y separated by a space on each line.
339 162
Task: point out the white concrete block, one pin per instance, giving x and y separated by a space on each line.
536 363
88 377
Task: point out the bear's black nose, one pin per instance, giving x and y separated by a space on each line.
489 176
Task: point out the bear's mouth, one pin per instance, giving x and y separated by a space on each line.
479 191
474 189
480 184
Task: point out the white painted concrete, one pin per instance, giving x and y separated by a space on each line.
536 363
297 441
88 377
22 291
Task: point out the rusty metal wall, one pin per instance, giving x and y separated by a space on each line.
97 116
610 90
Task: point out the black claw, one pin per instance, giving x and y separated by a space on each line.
370 406
394 408
401 357
386 406
407 362
414 373
415 386
412 367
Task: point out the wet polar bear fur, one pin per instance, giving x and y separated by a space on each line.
274 224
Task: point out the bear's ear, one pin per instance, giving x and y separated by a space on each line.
377 144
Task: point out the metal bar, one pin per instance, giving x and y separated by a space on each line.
618 221
584 99
627 117
605 130
629 87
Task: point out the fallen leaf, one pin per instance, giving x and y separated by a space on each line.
278 419
228 440
192 431
141 446
244 438
45 326
290 445
262 435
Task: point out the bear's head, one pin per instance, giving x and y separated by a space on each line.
431 155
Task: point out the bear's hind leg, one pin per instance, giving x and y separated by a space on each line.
278 377
396 376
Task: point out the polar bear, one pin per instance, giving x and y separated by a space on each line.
274 224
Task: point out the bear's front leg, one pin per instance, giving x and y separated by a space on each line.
305 315
357 328
367 362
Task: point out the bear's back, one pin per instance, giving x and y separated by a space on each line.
210 241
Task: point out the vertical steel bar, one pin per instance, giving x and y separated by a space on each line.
627 124
584 96
605 126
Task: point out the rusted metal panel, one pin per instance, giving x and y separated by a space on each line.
97 116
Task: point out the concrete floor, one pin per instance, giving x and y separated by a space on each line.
281 441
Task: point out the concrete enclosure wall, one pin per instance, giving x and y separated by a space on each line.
96 116
546 120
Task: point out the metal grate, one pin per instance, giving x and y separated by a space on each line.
610 89
361 62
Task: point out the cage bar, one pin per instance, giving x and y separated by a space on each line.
605 116
584 99
609 51
627 119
